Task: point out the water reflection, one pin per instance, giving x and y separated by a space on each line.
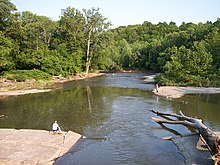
203 106
72 108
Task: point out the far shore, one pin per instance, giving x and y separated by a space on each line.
6 87
177 92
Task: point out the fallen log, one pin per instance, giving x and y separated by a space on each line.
178 136
211 139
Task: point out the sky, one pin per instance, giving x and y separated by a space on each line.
130 12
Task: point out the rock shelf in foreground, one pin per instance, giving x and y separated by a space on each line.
34 146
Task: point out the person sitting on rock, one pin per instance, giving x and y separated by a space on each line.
56 127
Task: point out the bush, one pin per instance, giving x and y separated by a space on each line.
215 80
22 75
163 80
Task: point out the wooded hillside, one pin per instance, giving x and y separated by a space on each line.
188 54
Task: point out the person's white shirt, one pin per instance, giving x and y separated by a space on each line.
55 126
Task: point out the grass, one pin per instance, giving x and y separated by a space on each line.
23 75
40 84
25 79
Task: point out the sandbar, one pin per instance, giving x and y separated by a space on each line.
177 92
56 80
23 92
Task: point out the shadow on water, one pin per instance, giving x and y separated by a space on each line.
113 113
69 107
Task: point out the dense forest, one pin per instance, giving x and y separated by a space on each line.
82 41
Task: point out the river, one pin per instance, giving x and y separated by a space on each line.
112 112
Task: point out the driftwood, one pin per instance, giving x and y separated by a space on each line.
211 138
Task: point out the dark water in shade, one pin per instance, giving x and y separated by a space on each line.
113 113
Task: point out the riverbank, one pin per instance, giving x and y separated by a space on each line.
28 146
177 92
11 88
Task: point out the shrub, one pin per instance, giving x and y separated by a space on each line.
163 80
22 75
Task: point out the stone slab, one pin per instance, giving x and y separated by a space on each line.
193 150
27 146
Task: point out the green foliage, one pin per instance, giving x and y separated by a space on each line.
71 26
213 46
95 25
215 79
188 66
81 40
163 80
6 16
73 63
22 75
6 49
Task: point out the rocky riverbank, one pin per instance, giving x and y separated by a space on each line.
177 92
26 146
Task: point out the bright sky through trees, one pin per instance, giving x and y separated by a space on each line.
130 12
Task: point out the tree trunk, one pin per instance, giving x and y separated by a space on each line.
211 138
37 42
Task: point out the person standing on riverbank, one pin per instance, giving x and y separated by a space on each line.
56 127
157 87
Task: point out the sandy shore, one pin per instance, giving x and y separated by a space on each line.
177 92
23 92
5 91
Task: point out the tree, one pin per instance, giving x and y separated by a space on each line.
6 49
199 61
47 29
166 56
38 31
174 69
95 25
125 52
190 66
6 15
213 46
71 24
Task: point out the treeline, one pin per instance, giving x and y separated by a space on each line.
188 54
64 47
185 55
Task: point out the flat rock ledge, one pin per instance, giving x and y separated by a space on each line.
177 92
194 150
26 146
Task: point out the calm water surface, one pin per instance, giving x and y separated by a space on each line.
113 113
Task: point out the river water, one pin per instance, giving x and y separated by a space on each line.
112 112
